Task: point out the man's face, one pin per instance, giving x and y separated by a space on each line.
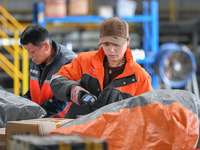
38 54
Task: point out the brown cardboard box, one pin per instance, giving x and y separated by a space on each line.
34 126
77 7
2 138
55 8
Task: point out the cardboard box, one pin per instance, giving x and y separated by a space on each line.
34 126
55 8
77 7
2 138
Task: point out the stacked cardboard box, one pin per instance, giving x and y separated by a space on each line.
77 7
55 8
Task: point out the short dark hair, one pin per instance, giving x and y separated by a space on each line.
34 34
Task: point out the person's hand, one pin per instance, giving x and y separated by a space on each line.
74 93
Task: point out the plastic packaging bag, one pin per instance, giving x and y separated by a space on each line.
158 119
15 108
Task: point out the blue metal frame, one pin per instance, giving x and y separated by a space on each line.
150 28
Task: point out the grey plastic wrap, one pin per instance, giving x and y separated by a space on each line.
15 108
166 97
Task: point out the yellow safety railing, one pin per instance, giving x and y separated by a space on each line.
13 70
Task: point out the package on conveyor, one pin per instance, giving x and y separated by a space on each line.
55 142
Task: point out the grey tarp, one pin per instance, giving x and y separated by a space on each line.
168 119
15 108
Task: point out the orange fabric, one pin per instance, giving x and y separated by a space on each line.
92 63
40 95
154 126
35 92
62 114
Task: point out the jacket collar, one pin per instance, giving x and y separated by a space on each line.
57 49
129 67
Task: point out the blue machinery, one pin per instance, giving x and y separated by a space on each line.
149 18
176 64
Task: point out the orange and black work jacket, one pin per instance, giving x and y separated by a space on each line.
87 71
40 76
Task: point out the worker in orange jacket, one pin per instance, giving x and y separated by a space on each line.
109 73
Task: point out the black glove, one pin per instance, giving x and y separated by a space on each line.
85 98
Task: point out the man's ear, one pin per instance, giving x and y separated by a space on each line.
47 46
128 40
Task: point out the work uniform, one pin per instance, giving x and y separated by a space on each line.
40 76
87 71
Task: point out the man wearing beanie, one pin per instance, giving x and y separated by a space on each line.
107 75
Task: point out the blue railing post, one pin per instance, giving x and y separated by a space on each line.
35 13
41 18
155 39
146 34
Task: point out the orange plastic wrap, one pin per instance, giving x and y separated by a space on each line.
151 128
154 126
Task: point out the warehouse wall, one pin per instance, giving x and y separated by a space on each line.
186 10
184 30
26 5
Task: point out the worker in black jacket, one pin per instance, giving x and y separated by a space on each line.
47 57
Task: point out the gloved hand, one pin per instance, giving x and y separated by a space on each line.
74 93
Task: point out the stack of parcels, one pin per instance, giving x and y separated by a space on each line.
56 142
